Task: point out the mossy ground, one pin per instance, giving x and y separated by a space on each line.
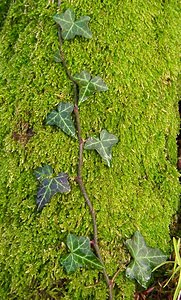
135 50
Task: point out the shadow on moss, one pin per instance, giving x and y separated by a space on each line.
4 7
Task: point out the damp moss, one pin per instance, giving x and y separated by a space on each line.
135 50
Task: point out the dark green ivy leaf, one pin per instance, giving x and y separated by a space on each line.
103 145
62 118
144 259
50 185
70 27
89 85
43 172
80 254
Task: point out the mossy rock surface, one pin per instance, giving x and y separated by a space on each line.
135 50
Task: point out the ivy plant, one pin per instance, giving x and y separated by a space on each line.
70 28
145 259
50 185
89 85
67 118
80 254
62 118
84 84
102 145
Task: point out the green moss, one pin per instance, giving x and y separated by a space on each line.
4 7
135 50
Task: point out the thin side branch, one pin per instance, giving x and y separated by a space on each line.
115 275
79 179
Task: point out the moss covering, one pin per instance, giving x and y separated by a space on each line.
135 50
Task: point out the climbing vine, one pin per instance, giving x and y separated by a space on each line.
82 251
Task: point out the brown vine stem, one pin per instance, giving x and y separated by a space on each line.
79 178
115 275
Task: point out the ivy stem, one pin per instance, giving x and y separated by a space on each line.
79 179
115 275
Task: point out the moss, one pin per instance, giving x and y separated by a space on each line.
4 7
135 49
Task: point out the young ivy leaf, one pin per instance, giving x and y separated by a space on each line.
103 145
49 185
70 27
89 85
80 254
144 259
62 118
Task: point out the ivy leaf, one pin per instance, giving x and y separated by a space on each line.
62 118
70 27
43 172
144 259
50 185
89 85
80 254
103 145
